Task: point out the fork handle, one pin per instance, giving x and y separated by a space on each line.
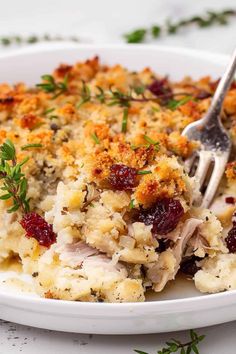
222 88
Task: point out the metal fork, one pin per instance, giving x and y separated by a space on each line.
215 144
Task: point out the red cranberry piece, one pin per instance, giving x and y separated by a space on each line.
229 200
36 227
122 177
231 240
160 87
203 94
189 266
164 215
233 85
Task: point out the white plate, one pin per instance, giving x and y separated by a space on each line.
180 306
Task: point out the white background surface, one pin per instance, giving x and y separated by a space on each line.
104 21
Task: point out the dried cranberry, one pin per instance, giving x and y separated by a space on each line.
229 200
122 177
7 100
160 87
231 240
203 94
233 85
213 84
164 215
36 227
189 266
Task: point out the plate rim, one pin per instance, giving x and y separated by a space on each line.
209 301
36 48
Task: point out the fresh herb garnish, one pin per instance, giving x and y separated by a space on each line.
100 95
19 40
156 31
209 19
53 116
95 138
119 98
124 121
175 346
131 204
135 147
85 95
144 172
114 97
155 109
29 146
173 104
49 85
152 142
49 110
139 90
14 182
136 36
149 141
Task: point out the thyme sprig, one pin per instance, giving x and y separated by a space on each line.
114 97
20 40
168 28
175 346
14 181
49 85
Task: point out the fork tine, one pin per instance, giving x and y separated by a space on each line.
189 163
205 158
218 171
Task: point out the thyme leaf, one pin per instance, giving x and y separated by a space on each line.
149 143
95 138
124 121
173 104
85 95
119 98
49 110
152 142
144 172
29 146
14 182
131 205
135 147
136 36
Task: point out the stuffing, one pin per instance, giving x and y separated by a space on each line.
217 274
102 206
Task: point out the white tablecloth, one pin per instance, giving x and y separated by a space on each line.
104 21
